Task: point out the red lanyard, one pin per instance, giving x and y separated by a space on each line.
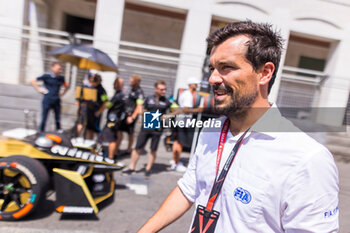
222 141
218 182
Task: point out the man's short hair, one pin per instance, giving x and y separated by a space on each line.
137 78
97 78
55 63
159 82
265 44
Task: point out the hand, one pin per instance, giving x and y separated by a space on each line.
63 93
42 91
97 114
129 120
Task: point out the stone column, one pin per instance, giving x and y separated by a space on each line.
335 91
281 21
194 45
107 32
11 17
35 59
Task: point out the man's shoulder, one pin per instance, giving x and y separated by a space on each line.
44 76
139 93
212 128
187 93
165 99
288 132
118 95
303 142
299 147
149 97
101 88
139 90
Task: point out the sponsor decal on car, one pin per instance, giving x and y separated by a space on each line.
79 154
75 209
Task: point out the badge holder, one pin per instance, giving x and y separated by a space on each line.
206 218
205 221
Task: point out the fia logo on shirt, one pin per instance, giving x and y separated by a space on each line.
151 120
242 195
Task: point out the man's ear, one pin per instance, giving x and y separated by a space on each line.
266 72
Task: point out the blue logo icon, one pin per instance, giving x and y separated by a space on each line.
151 120
242 195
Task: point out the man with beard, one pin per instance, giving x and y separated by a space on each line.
52 96
133 108
115 115
248 177
153 103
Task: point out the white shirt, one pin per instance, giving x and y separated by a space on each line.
185 101
291 179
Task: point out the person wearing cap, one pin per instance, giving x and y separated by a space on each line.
185 135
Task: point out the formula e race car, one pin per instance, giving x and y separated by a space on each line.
81 177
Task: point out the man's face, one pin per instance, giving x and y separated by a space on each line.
91 80
193 87
160 90
118 84
233 79
56 69
133 83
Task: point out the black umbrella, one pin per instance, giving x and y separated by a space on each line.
84 57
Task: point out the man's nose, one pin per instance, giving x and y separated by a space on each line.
215 77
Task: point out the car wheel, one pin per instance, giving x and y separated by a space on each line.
23 183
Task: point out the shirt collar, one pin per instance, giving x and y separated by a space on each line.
52 75
269 122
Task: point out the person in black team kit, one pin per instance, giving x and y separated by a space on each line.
115 115
133 107
101 100
152 103
52 82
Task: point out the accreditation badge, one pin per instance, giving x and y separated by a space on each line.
205 221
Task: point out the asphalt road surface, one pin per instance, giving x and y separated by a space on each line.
137 198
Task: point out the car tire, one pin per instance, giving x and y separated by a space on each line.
23 183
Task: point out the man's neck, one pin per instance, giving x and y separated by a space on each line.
241 122
157 96
54 75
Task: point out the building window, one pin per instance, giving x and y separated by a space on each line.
75 24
